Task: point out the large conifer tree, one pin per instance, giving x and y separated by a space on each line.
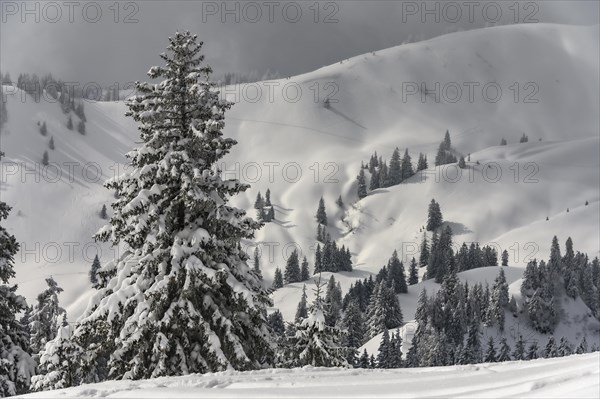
16 365
182 298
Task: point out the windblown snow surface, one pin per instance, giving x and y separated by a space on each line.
576 376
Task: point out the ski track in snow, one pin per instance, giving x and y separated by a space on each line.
576 376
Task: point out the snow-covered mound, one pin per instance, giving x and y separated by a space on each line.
305 150
576 376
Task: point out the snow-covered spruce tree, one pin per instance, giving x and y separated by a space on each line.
532 351
302 308
292 273
519 352
256 266
58 364
16 365
413 275
46 316
434 216
277 279
182 299
384 358
384 310
406 168
504 352
304 271
396 274
505 258
315 343
333 303
490 354
354 330
361 184
395 169
321 213
94 271
499 301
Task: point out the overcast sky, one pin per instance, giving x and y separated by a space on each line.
269 35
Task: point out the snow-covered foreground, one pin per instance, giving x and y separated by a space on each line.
576 376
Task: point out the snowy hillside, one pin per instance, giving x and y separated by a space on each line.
575 376
370 110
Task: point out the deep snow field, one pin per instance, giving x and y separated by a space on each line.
576 376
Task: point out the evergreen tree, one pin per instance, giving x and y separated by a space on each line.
499 300
373 184
94 271
440 157
321 214
413 276
505 258
424 253
103 214
333 303
271 214
339 202
384 360
59 358
461 162
81 127
384 310
43 129
519 352
372 362
434 216
583 346
46 316
447 142
302 308
278 279
16 364
315 343
395 169
396 350
182 299
550 349
523 139
490 355
292 272
51 143
564 348
504 353
532 351
472 351
396 274
304 272
363 362
259 205
45 159
406 168
362 185
422 162
256 266
353 325
503 141
318 260
275 321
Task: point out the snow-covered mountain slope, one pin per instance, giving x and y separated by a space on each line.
304 150
574 376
